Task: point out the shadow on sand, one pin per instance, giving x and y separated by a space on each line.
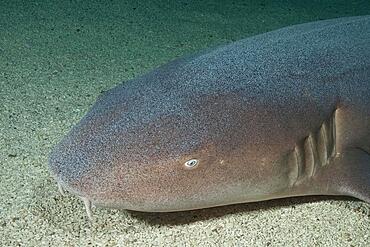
186 217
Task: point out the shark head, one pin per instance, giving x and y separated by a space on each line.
157 144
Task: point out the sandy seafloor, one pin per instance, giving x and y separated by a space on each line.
56 57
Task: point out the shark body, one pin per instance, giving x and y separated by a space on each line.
285 113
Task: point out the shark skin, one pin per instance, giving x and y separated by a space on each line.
280 114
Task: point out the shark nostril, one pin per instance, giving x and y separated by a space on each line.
87 204
60 188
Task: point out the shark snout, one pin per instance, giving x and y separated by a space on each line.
69 168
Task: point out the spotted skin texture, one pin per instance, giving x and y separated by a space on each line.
285 113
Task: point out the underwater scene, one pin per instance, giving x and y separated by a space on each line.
185 123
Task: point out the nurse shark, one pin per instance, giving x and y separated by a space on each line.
280 114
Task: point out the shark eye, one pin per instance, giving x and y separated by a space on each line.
191 163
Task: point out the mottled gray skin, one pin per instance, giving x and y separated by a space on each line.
285 113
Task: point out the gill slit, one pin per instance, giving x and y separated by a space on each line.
314 151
